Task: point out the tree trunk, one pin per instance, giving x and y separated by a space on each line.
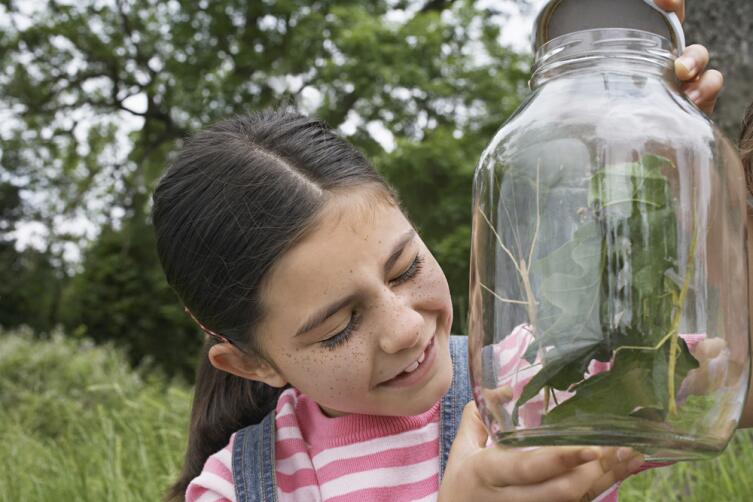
725 27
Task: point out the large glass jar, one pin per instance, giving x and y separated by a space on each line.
608 271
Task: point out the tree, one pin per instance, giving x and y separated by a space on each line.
429 77
30 283
121 295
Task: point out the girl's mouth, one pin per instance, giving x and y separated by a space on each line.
416 370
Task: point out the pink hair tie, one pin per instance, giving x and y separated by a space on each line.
206 330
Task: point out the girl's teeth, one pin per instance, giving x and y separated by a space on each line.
412 367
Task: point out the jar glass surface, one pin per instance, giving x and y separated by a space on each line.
608 291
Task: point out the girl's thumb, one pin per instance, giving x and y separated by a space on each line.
471 435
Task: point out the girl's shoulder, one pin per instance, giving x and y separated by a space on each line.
215 483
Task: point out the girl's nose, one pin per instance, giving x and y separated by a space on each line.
402 328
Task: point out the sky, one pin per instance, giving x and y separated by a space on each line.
516 33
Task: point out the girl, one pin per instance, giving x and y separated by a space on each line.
330 372
297 261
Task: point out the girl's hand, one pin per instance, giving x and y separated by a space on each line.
717 368
554 474
713 358
701 86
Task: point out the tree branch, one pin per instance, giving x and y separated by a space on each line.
436 5
336 116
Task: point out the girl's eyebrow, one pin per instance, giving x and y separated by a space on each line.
323 314
398 249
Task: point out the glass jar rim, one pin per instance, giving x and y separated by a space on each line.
601 40
605 43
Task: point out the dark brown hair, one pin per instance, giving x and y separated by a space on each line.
238 195
746 147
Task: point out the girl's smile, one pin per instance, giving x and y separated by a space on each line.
358 313
417 370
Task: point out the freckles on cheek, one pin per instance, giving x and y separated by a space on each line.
344 372
328 375
433 284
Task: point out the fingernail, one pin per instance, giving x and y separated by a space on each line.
624 453
687 63
694 95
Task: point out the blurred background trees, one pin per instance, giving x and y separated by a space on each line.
97 94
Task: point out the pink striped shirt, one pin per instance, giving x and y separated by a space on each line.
318 458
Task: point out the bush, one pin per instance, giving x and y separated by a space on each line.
121 296
79 424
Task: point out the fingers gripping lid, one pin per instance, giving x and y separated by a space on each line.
559 17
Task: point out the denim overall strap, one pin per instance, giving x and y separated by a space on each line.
254 462
455 400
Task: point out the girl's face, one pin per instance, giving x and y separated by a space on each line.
358 314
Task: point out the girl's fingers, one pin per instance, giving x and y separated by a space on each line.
709 348
470 436
705 90
692 62
677 6
617 473
585 482
539 465
551 473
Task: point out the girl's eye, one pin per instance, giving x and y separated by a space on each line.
410 272
340 338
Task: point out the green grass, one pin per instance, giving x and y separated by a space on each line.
726 478
77 423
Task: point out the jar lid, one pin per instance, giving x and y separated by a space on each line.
560 17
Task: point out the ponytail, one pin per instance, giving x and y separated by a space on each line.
223 404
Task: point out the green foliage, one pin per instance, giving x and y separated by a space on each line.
725 478
610 293
102 93
121 296
30 283
29 289
80 424
636 385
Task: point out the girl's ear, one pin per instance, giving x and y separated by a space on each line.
226 357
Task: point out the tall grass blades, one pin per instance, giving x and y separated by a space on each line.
725 479
77 423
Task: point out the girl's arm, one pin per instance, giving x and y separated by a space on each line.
477 473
